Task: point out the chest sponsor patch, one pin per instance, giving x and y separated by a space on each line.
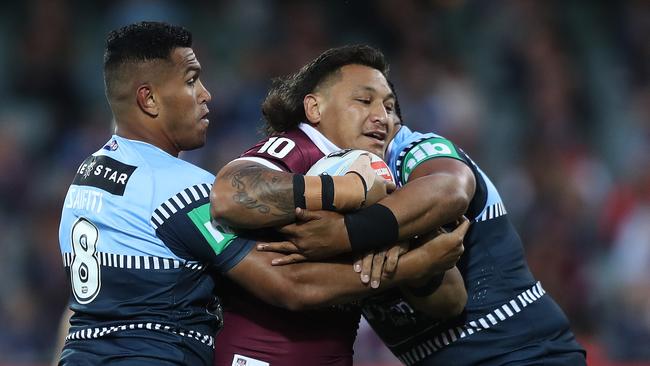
239 360
104 173
434 147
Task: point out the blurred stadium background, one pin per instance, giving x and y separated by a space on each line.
551 98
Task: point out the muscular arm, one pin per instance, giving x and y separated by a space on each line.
249 195
438 192
448 300
306 285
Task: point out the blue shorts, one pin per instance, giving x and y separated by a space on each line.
130 348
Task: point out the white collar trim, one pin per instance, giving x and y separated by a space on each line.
324 145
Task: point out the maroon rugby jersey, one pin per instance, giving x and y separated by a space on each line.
260 331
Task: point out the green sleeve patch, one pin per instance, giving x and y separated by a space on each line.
218 240
434 147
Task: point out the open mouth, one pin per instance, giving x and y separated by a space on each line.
204 117
380 136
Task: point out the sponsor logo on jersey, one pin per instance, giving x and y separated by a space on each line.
239 360
434 147
104 173
382 170
217 239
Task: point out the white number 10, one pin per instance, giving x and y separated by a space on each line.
277 147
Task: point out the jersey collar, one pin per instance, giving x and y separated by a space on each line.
324 145
392 144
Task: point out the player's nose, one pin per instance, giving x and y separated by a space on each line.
379 114
204 95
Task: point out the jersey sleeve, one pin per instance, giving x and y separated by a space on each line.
183 223
412 154
283 152
425 147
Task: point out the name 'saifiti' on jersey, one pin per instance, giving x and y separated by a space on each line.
96 173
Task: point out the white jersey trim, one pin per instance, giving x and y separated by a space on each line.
491 212
178 202
94 333
323 143
137 262
509 309
261 161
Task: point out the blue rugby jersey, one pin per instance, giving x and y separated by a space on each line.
508 316
137 243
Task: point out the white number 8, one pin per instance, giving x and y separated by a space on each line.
85 273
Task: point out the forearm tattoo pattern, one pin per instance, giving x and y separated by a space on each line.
262 190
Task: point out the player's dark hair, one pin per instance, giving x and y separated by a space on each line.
398 109
283 106
141 42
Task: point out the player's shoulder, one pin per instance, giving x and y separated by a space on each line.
110 169
281 144
178 178
154 174
432 144
409 148
292 151
405 137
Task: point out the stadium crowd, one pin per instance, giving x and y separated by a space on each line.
551 98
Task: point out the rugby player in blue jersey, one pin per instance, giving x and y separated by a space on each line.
136 236
134 233
509 318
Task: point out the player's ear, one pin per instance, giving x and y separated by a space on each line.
313 105
147 100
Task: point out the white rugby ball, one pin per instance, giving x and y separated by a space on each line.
338 163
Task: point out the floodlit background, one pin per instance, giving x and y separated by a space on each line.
550 98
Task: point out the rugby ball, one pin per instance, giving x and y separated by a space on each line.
338 163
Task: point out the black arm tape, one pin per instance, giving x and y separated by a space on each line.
428 288
374 227
299 191
327 184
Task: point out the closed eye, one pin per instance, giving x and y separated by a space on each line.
364 101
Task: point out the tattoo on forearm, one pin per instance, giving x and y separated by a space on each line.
262 190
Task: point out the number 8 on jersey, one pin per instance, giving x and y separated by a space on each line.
85 273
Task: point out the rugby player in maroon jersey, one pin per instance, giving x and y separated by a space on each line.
344 102
497 325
